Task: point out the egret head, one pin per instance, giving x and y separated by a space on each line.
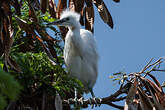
68 18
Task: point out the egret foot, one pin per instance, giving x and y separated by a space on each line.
90 101
81 101
75 100
98 100
70 100
95 101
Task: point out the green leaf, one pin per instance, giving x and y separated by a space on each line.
118 73
3 103
9 88
111 77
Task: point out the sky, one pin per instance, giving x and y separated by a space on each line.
138 36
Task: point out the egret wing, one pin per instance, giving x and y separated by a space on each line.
90 49
90 57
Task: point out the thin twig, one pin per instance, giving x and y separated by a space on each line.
119 99
142 71
154 66
158 70
149 65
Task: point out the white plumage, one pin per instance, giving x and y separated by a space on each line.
80 52
81 57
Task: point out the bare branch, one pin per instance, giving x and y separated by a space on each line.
149 67
158 70
119 99
142 71
106 100
153 64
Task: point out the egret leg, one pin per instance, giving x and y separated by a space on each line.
81 100
75 93
75 97
97 101
78 101
92 93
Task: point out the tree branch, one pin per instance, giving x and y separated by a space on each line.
105 100
124 88
148 65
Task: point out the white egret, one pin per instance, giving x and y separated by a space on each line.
80 52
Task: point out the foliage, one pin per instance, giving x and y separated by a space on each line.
42 74
9 87
119 76
33 58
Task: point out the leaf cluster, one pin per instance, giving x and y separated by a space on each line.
33 59
9 87
38 74
120 77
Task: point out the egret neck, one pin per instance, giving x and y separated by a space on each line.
75 27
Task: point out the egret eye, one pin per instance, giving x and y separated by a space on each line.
67 19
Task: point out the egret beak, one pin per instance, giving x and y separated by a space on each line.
57 22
